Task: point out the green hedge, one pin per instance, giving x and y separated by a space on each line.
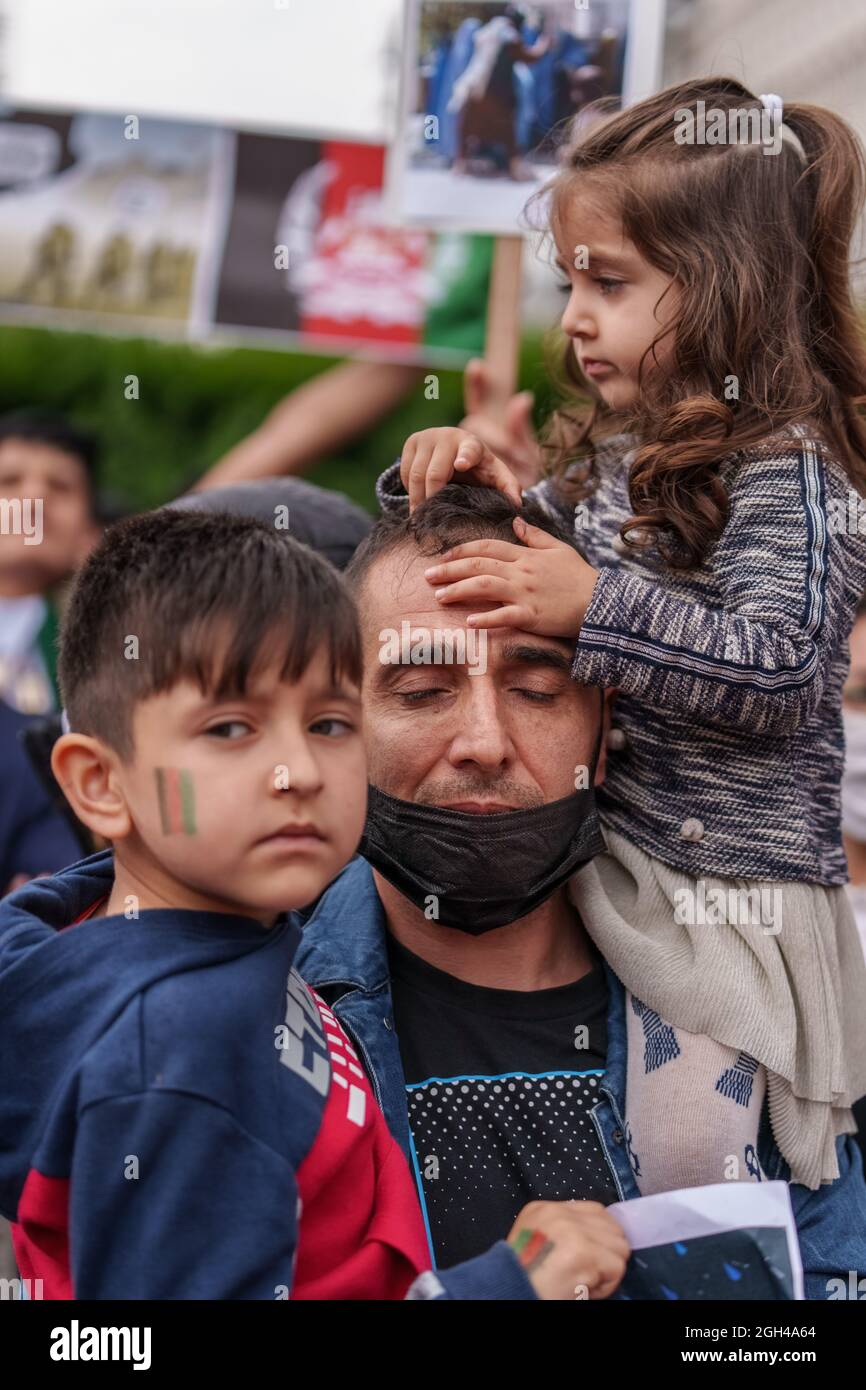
195 403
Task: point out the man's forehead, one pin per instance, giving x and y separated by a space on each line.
395 591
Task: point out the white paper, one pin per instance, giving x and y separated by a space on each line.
703 1211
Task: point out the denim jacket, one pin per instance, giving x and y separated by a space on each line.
344 957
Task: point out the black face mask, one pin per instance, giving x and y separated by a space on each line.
477 872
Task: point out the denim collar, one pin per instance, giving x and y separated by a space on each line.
345 936
345 943
613 1081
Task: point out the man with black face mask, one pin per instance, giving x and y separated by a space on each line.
481 807
451 952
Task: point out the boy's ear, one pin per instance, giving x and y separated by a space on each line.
86 769
601 767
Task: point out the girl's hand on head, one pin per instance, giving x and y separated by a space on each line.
431 458
542 586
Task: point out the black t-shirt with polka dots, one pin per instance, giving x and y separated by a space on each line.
500 1084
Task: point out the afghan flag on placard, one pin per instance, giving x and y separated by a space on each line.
308 251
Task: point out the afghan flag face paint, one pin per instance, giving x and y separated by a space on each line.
176 801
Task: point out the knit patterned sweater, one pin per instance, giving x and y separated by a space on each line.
729 755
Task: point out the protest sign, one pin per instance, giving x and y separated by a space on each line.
181 229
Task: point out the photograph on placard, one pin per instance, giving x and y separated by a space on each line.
491 91
104 217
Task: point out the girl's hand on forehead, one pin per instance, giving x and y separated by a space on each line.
431 458
542 586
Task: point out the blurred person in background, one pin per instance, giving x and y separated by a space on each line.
48 483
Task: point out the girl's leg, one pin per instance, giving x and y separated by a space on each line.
693 1106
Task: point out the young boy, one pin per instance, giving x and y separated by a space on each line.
180 1117
177 1110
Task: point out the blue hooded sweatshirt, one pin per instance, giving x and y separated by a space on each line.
170 1092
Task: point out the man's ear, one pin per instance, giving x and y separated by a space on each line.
601 767
86 769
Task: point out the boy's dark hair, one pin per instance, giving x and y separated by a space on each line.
211 598
39 426
455 514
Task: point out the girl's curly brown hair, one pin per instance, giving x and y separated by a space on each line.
759 248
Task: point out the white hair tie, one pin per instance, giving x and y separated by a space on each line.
773 103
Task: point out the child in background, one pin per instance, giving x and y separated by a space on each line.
710 318
48 463
180 1117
